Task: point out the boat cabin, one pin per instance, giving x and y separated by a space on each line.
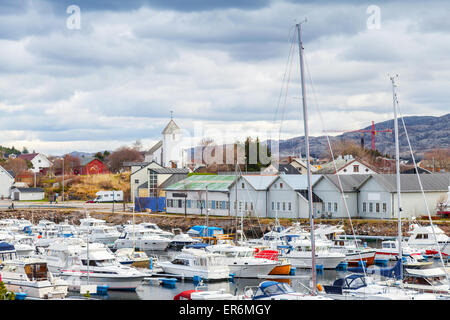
350 282
267 289
7 252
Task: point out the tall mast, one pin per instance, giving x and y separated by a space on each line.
397 163
310 199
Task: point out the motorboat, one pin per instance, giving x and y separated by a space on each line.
97 265
361 287
181 239
88 223
273 290
300 255
427 280
66 230
422 237
190 263
132 258
416 261
156 229
283 266
389 250
204 295
142 240
8 225
24 245
46 237
44 225
354 253
104 234
7 252
241 261
32 277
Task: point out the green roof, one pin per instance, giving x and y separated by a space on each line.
200 182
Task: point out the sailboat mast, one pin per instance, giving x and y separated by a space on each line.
397 163
310 198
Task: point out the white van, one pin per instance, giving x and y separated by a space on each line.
109 196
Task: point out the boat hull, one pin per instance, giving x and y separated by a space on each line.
190 273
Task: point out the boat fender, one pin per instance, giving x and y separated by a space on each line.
319 287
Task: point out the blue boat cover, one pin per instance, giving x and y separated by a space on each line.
4 246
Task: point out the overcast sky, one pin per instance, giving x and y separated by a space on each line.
220 66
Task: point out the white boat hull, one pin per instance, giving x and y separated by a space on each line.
304 260
189 272
143 245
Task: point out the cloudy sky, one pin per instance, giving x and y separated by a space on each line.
111 75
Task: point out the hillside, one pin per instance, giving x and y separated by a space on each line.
425 133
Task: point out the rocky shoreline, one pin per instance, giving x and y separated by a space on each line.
254 228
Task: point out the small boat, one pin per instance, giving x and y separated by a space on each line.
300 256
273 290
389 250
192 263
88 223
180 240
142 240
241 261
7 252
416 261
204 295
129 257
422 237
104 234
32 277
283 266
427 280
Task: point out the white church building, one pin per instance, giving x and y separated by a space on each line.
168 152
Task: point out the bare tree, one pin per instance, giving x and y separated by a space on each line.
17 165
121 155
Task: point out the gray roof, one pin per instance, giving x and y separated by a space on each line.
259 182
155 147
174 178
410 183
349 182
169 170
135 163
287 169
29 190
171 127
299 181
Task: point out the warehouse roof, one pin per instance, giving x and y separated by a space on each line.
349 182
410 182
200 182
299 181
260 182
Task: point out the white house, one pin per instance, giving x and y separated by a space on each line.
6 182
328 188
288 197
302 166
378 195
346 165
40 161
252 195
27 194
198 192
168 152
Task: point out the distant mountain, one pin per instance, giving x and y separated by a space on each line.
79 154
425 133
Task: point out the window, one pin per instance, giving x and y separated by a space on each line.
273 205
377 207
278 206
370 207
329 206
136 181
364 207
243 185
246 205
289 206
251 206
180 203
356 168
281 186
188 203
323 206
284 206
335 207
384 207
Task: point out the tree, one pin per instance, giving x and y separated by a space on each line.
121 155
17 165
438 159
25 150
5 294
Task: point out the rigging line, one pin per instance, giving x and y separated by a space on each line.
341 189
290 38
422 191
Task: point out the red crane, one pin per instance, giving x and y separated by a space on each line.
372 131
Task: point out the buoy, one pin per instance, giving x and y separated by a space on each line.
319 287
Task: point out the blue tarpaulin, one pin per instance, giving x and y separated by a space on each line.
152 203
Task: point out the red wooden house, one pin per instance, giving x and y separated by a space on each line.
91 166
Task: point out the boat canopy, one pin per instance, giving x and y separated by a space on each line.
4 246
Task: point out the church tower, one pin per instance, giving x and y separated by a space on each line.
171 146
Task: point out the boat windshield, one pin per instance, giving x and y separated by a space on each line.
275 289
36 271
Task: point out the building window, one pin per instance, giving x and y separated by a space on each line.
273 205
188 203
335 207
180 203
240 205
278 206
245 205
281 186
329 206
243 185
356 168
377 207
136 181
364 206
289 206
323 206
384 207
370 207
284 206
